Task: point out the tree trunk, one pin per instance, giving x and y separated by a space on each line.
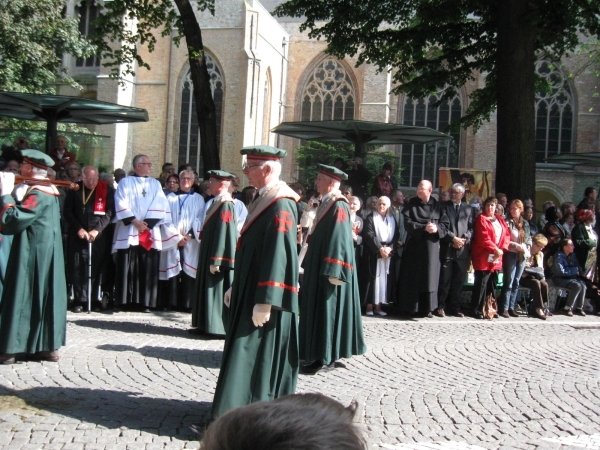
205 105
515 157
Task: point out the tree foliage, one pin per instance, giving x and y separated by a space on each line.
430 44
312 153
33 37
125 25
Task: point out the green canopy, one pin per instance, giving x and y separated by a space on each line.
360 133
576 159
61 108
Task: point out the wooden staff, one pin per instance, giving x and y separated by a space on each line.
43 181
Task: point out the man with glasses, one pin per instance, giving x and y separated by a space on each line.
33 316
260 357
455 253
73 172
142 230
88 211
426 223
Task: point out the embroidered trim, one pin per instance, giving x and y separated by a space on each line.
190 266
169 268
341 263
8 205
277 284
219 258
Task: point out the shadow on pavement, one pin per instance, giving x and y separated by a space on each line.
133 327
209 359
117 410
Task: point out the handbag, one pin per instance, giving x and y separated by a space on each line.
490 307
535 272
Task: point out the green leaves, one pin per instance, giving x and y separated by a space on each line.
33 37
125 24
433 43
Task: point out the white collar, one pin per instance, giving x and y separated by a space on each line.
264 188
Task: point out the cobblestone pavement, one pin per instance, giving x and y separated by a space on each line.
137 381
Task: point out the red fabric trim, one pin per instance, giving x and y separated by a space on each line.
341 263
9 205
330 175
247 225
38 165
100 198
190 266
265 158
219 258
169 268
121 210
167 240
277 284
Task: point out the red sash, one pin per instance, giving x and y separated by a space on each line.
100 198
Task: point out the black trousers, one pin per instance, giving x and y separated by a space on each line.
539 290
452 277
485 283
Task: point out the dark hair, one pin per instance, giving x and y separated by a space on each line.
165 165
550 214
173 175
490 199
248 194
588 191
293 422
184 167
387 166
468 176
563 243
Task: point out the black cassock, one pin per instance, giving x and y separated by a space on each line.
420 269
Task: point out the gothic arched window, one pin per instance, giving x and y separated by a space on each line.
422 162
189 133
87 11
553 114
329 93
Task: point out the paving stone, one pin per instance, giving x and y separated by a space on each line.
138 381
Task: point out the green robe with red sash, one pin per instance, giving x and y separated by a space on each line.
261 363
330 316
217 247
33 310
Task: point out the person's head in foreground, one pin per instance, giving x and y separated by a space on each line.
293 422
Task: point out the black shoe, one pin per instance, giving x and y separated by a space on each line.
478 315
196 331
146 310
311 369
77 309
429 315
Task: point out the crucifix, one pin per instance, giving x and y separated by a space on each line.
143 192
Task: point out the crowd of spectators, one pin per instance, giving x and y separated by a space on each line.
414 255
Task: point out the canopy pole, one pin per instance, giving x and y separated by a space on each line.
51 129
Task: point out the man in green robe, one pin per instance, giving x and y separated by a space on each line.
260 358
216 259
33 310
330 316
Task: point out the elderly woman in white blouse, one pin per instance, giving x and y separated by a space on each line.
380 235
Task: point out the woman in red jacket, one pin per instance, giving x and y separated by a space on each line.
490 240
